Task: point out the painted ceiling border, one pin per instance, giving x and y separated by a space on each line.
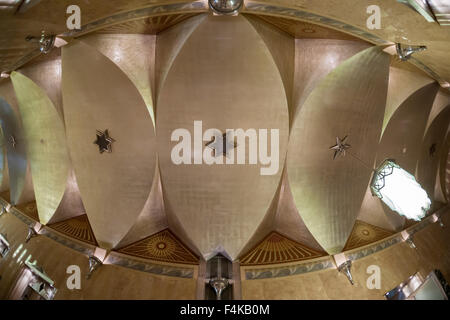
253 273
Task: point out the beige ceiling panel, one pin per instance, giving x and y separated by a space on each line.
212 81
152 218
45 145
429 160
402 84
283 217
45 72
134 54
442 100
71 204
314 59
114 186
402 136
328 193
20 182
282 47
169 43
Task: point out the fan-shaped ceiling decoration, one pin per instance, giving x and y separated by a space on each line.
276 248
114 186
163 246
364 233
328 193
78 228
150 25
46 145
300 29
220 205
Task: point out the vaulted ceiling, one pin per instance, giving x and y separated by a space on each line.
142 70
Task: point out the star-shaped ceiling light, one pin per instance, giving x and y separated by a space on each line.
221 145
340 147
104 141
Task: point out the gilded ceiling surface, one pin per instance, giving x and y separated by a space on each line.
118 138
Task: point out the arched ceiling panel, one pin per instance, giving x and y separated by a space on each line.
442 100
45 72
168 46
402 84
71 204
114 186
134 54
328 193
16 154
282 48
402 136
314 59
221 205
152 218
45 143
432 147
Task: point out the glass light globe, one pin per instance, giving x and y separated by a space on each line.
225 6
400 191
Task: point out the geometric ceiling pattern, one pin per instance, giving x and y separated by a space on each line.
276 248
364 233
162 246
77 227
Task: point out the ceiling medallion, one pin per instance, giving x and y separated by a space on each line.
340 147
225 7
221 145
104 141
